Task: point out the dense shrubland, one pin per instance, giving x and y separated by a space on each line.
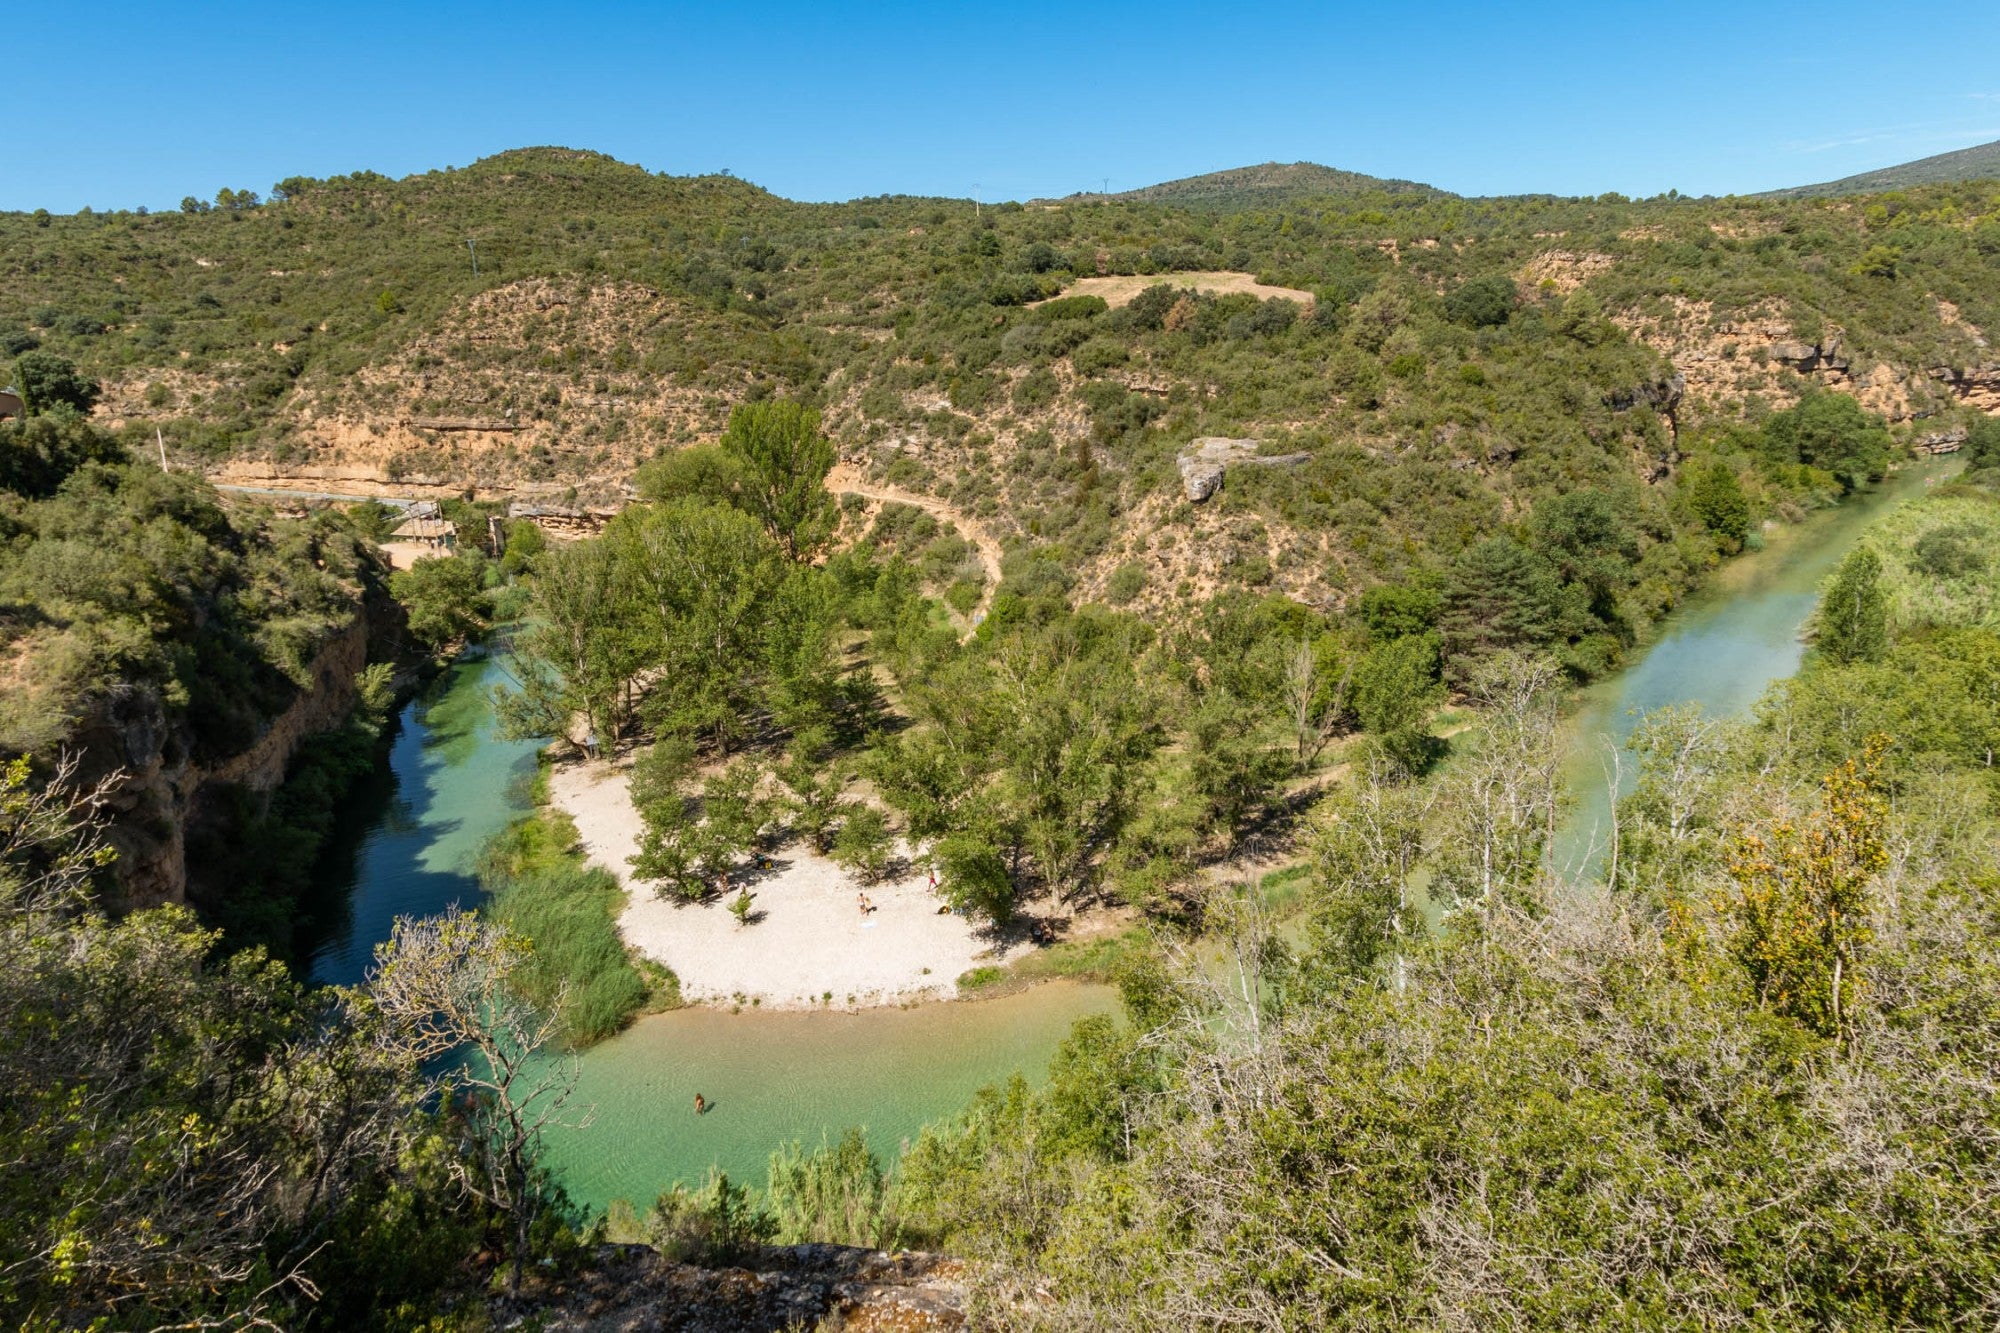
116 575
1065 751
194 1139
1744 1073
1739 1076
1461 361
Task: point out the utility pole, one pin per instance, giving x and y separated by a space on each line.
975 199
160 440
475 255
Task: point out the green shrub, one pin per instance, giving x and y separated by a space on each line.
568 912
834 1195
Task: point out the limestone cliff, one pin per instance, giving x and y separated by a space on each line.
162 791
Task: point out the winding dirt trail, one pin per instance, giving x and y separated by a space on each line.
844 480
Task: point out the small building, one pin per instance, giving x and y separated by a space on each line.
437 533
11 405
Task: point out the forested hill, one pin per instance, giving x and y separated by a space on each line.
1980 162
1267 185
542 322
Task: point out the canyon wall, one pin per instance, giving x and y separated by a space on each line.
161 791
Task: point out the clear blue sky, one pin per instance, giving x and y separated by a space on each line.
117 104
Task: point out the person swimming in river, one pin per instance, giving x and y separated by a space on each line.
700 1104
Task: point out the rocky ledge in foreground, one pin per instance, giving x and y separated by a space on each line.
632 1289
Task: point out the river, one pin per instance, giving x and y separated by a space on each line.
409 836
406 843
1721 650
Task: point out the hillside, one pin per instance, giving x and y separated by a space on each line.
1176 584
1980 162
1267 185
1442 364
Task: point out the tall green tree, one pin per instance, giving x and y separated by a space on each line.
1396 691
1854 617
1715 497
785 459
701 579
1501 594
48 381
443 599
1832 432
580 655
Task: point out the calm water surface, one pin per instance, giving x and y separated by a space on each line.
774 1077
1722 651
407 840
406 845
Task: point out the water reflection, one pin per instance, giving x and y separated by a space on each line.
407 838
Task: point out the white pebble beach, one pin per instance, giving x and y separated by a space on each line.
808 938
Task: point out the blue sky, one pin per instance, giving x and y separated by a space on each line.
116 105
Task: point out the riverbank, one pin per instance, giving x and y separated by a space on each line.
1720 651
808 944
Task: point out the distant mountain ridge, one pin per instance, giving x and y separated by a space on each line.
1980 162
1265 184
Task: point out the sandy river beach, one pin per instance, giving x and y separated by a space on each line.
808 939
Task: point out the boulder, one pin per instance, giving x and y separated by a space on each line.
1205 461
1200 480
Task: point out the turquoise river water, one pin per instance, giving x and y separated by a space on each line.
1721 651
407 844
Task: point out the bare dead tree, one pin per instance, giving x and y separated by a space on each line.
1313 710
444 987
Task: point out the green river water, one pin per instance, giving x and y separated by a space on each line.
409 837
1720 651
406 844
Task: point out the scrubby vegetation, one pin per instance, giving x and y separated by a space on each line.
1740 1078
116 576
567 911
195 1139
1460 361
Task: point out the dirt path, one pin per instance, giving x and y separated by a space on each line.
845 480
1119 290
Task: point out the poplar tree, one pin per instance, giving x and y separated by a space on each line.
1854 618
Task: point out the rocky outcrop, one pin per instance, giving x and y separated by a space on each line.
1662 395
162 791
1975 386
1205 461
631 1288
1807 357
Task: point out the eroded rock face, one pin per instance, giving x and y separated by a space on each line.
631 1288
1200 480
162 791
1977 386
